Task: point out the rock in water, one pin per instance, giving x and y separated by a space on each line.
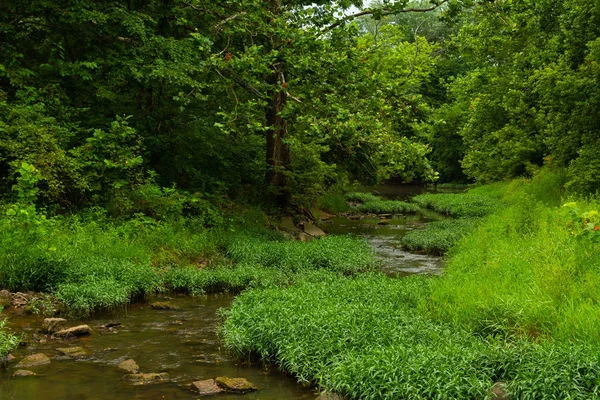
52 325
162 305
206 387
237 385
144 379
313 230
79 330
5 298
129 366
34 360
73 352
23 372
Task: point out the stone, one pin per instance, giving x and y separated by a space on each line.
385 216
237 385
313 230
304 237
5 298
329 396
383 222
24 372
162 305
206 387
34 360
52 325
20 299
499 392
74 353
129 366
287 223
144 379
79 330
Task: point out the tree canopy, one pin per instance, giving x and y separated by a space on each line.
283 100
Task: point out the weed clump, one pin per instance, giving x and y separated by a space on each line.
437 237
387 207
361 197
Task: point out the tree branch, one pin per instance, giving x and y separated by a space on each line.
219 26
381 11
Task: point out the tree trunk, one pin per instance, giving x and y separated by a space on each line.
278 152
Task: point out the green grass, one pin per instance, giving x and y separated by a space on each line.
367 338
360 197
90 263
333 203
519 302
7 341
386 207
477 202
438 237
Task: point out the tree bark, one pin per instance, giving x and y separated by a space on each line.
278 151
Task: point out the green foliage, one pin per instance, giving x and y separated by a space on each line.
530 269
8 341
341 254
334 203
361 197
477 202
384 348
386 207
439 236
91 263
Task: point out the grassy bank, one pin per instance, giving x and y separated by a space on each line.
518 303
91 263
468 209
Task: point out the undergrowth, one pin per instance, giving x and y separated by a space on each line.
92 263
366 338
8 341
438 237
519 302
386 207
477 202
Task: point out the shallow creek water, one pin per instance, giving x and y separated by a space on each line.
184 342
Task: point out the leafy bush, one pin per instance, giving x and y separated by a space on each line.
439 236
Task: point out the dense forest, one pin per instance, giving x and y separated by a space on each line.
155 145
116 104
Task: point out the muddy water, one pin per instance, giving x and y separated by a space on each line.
182 342
385 240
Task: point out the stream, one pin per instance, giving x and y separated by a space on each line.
184 341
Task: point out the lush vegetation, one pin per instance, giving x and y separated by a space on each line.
91 263
132 133
367 338
7 341
438 237
515 304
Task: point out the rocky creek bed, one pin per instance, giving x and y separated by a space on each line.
172 348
